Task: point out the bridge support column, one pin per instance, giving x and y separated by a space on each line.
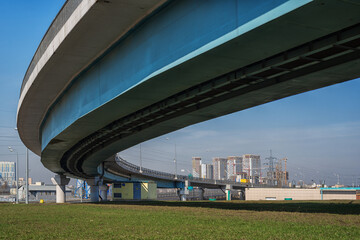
184 191
242 194
202 194
182 195
60 181
94 193
103 192
94 189
228 192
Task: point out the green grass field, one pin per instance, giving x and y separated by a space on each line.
182 220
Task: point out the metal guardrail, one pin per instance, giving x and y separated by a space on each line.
7 198
168 176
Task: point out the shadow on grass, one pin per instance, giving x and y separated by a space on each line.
335 207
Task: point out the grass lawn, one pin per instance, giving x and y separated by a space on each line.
182 220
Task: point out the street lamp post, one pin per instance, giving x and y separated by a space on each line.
175 163
140 160
174 158
16 173
27 174
27 177
338 178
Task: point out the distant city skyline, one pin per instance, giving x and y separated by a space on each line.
318 131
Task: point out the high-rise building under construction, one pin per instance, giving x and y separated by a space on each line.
234 167
252 167
196 166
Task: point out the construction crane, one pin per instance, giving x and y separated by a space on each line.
285 172
281 176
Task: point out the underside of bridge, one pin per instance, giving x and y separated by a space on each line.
123 72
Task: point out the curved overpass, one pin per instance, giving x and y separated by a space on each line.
111 74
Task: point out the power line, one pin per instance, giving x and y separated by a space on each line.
9 140
3 110
10 154
12 145
6 127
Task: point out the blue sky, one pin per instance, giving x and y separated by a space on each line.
23 24
318 131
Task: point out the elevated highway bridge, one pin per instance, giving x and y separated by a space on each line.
122 170
110 74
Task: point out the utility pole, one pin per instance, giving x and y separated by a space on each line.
175 163
16 173
140 160
353 182
17 177
27 177
285 173
174 158
338 177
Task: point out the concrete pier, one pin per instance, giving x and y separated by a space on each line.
60 181
202 194
94 189
228 192
103 192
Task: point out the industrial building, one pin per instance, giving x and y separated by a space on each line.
134 191
7 172
302 194
39 190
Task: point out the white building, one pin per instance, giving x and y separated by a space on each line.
7 172
219 168
203 170
209 171
196 166
252 167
